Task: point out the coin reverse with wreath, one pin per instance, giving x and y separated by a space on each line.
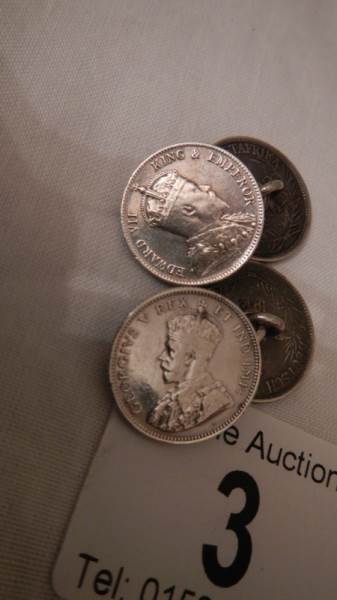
192 214
185 365
287 355
288 210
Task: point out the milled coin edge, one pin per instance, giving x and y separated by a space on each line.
201 280
188 439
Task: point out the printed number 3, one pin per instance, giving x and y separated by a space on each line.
228 576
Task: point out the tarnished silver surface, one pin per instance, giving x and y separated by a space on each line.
287 206
287 347
185 365
192 214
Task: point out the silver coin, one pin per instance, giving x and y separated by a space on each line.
185 365
285 355
192 214
287 210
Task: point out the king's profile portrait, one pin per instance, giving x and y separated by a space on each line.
193 394
195 212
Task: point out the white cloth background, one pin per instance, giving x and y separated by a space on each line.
89 88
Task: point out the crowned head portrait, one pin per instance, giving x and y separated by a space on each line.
193 393
196 212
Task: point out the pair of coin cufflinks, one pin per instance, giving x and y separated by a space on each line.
187 362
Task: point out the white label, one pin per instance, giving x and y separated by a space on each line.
251 514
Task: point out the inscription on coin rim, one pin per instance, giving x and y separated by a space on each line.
226 272
132 333
289 369
297 178
271 383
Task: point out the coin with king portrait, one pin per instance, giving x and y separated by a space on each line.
185 365
192 214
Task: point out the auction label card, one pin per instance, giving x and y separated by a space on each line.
251 514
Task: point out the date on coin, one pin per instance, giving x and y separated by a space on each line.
286 354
